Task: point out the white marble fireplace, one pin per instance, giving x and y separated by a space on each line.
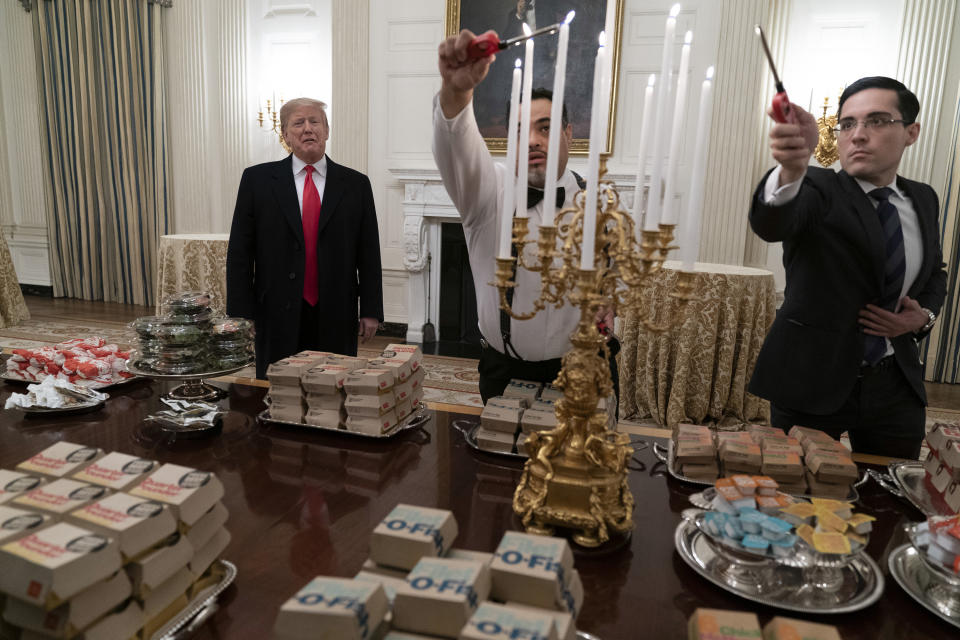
426 206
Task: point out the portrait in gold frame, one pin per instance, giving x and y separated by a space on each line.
503 16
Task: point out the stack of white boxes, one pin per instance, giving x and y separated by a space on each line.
323 391
285 395
370 401
416 585
499 421
127 542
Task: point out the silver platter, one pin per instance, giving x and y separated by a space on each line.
77 407
415 420
908 479
200 608
96 386
665 454
469 431
187 376
909 571
855 586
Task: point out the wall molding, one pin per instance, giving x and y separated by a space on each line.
351 90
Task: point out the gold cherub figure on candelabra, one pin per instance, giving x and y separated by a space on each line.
826 151
576 475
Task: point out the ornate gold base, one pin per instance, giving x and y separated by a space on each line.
576 477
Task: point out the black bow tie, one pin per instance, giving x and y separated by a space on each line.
534 196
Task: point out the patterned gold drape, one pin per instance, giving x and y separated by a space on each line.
698 371
104 143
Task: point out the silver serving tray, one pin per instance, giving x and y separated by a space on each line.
78 407
908 484
200 608
469 431
97 386
417 418
913 576
187 376
665 454
780 587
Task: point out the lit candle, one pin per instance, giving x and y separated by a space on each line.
663 91
510 182
524 148
690 247
593 160
556 123
642 153
679 111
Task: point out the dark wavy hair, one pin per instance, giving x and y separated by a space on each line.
907 102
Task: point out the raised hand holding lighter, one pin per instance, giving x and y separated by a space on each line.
781 103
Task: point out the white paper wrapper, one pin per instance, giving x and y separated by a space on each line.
52 393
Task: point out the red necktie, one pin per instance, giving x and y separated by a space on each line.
311 220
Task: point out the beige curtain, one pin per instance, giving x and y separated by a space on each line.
104 140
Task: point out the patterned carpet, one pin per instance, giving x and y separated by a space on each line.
449 380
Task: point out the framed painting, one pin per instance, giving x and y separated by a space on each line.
491 97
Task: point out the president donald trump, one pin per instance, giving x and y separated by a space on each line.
304 256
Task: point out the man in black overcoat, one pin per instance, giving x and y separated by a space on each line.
305 206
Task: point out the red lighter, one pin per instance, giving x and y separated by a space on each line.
488 44
781 103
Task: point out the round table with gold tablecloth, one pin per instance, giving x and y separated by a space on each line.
13 308
699 369
193 262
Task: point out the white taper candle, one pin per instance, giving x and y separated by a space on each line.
524 148
663 92
690 246
670 213
510 182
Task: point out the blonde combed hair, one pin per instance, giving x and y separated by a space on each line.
290 105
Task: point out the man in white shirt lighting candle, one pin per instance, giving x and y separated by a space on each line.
865 274
529 349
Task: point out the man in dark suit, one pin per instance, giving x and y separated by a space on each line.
865 275
304 247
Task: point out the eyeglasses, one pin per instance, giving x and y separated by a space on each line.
873 123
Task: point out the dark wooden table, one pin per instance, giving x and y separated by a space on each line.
303 503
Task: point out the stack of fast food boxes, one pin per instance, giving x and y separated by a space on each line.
720 624
328 390
803 461
508 420
942 468
415 584
106 545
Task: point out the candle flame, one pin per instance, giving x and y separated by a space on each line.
709 72
652 80
757 29
526 29
688 37
603 39
517 63
569 17
675 10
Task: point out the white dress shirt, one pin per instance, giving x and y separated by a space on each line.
300 177
475 184
912 239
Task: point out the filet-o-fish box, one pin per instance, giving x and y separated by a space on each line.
60 496
500 621
531 569
50 566
410 532
440 595
332 608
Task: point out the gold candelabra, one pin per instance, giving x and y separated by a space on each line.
576 474
272 121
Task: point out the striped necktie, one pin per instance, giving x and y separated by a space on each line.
894 266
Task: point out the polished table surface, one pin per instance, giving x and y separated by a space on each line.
303 503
